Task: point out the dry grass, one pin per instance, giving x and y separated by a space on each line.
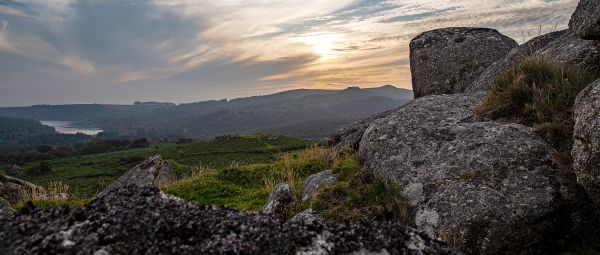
58 190
538 94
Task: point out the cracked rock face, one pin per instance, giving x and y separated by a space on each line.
557 47
484 187
315 181
446 61
142 220
153 172
586 149
585 22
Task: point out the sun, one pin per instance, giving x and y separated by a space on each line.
323 44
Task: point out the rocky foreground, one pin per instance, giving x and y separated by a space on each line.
133 220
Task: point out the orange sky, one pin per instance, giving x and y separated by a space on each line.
67 51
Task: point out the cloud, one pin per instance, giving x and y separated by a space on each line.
182 50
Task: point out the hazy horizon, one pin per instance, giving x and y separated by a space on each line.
116 52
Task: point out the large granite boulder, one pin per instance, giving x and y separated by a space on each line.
142 220
557 47
446 61
585 22
315 181
586 149
153 172
484 187
280 201
15 190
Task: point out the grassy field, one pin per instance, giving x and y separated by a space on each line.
247 187
87 175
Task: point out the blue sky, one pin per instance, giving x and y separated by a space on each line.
116 51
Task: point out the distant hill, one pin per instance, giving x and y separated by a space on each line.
302 113
20 134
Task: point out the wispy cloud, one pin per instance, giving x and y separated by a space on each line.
182 50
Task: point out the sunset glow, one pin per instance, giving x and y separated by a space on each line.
180 51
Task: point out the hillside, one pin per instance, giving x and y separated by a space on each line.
86 175
22 134
280 113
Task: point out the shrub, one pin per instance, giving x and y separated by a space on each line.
539 94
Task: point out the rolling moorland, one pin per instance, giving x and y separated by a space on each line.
301 113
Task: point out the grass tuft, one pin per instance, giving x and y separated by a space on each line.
539 94
360 196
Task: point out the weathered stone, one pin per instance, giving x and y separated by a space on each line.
585 22
153 172
315 181
308 216
485 80
5 209
570 49
557 47
348 137
15 190
280 200
586 149
142 220
446 61
484 187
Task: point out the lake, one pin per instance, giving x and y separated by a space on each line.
72 127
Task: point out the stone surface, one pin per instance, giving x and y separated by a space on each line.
485 187
280 200
348 136
557 47
585 22
5 209
446 61
153 172
586 149
308 216
15 190
315 181
142 220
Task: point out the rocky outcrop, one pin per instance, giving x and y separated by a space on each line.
586 149
15 190
153 172
585 22
5 209
485 187
280 200
446 61
315 181
142 220
557 47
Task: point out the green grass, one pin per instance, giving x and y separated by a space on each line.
247 187
87 175
360 196
51 203
539 94
357 195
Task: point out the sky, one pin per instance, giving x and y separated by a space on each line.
118 51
